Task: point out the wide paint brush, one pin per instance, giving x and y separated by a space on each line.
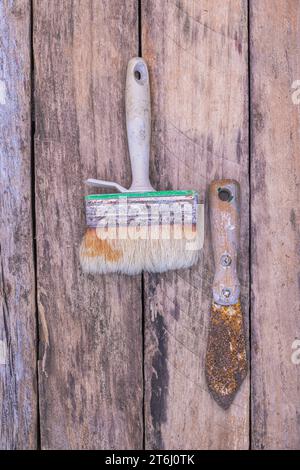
140 229
226 358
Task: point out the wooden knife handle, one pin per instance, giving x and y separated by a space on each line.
225 231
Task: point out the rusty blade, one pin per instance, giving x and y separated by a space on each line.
226 357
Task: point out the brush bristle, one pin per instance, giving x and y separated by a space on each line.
110 251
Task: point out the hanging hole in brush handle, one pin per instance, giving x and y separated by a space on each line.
224 209
138 123
137 75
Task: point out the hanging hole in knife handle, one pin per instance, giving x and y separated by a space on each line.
224 194
224 219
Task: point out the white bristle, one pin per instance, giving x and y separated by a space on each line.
130 256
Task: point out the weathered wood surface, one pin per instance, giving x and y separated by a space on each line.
90 338
90 367
197 55
18 397
275 182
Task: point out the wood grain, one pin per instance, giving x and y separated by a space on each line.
90 367
275 180
18 399
197 56
90 337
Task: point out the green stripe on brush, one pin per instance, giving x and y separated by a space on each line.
141 195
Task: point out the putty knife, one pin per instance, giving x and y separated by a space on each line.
226 357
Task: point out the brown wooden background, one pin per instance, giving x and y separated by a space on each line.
118 362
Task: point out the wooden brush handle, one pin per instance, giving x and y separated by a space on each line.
138 122
225 232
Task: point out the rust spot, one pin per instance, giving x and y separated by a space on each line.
95 246
293 219
238 43
239 149
210 144
258 119
226 357
186 26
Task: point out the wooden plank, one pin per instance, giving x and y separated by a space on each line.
90 368
275 180
18 400
197 54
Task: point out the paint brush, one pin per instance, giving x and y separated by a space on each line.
140 229
226 358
